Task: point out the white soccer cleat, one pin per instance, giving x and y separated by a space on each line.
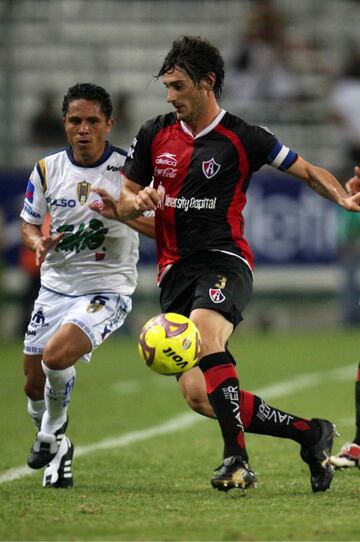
348 457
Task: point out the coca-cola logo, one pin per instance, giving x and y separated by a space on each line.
168 172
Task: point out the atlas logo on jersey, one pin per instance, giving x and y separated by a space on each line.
83 189
210 168
216 295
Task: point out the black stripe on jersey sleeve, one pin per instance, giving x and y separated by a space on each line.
42 179
138 166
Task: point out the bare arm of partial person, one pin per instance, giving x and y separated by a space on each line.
325 184
35 240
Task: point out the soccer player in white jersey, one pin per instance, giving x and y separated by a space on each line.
88 270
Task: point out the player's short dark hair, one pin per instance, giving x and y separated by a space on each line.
88 91
198 58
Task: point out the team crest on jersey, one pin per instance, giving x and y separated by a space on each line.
83 190
216 295
210 168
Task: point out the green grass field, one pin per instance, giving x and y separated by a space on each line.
151 481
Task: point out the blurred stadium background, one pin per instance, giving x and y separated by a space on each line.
46 46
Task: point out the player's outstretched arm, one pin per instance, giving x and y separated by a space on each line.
34 239
353 184
133 202
144 225
325 184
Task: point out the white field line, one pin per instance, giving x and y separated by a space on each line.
182 421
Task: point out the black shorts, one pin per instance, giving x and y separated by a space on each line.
208 280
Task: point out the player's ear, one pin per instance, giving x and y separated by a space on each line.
110 124
209 81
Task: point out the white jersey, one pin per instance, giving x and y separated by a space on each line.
96 254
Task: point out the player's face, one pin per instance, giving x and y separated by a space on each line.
189 100
86 128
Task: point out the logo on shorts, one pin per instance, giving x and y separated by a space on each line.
210 168
97 303
83 190
216 295
38 320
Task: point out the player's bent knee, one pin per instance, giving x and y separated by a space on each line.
56 358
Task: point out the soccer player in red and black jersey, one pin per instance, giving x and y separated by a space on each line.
192 168
349 455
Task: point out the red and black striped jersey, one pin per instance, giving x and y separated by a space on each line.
202 180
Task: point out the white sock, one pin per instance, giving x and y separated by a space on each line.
58 386
36 410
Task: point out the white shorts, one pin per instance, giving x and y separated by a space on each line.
98 315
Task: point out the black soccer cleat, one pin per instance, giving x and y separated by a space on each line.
58 474
45 448
318 455
233 473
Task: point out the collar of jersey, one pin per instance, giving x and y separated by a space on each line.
105 155
206 130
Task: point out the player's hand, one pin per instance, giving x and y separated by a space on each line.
147 199
107 206
44 244
353 184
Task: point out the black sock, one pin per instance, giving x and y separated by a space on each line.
222 386
263 419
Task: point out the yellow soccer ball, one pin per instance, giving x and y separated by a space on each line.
170 344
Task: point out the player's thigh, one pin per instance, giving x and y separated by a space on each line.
97 316
66 347
34 376
214 329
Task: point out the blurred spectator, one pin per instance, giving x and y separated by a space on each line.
47 127
349 259
2 227
345 110
345 105
123 129
260 65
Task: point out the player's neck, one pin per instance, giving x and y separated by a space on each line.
204 120
87 159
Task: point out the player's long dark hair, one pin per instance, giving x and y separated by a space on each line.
197 57
88 91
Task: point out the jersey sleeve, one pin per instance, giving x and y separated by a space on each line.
264 148
138 165
35 206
